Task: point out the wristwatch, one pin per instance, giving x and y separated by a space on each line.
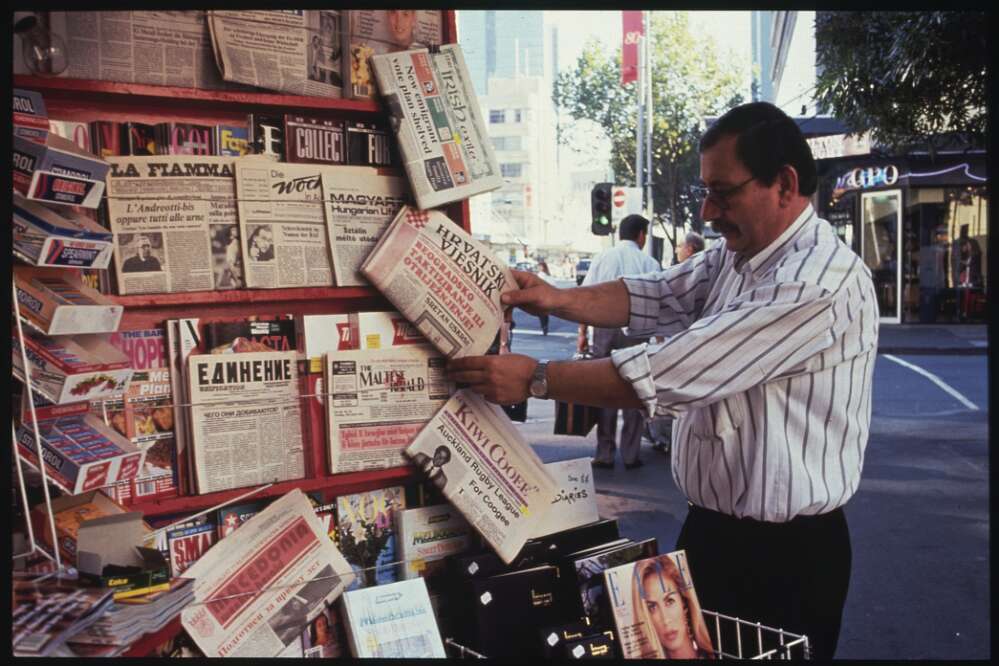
539 381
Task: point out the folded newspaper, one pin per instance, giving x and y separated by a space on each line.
442 280
436 117
256 589
482 464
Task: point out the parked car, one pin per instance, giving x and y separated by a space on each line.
526 266
581 269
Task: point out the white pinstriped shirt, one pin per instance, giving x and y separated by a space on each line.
767 365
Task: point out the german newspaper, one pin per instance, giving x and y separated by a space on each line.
442 280
245 419
292 50
435 115
360 203
282 224
483 465
257 588
378 401
164 211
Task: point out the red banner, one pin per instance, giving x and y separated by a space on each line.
631 23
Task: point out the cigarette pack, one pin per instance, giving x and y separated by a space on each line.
65 370
58 171
59 303
30 118
47 238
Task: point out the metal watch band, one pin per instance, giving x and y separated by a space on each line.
539 381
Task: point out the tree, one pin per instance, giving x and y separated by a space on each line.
690 80
909 77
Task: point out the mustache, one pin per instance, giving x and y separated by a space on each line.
721 226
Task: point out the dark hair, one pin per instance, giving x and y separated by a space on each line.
632 227
767 140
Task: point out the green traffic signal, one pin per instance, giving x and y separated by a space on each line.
600 209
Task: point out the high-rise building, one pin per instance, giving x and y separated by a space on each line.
501 44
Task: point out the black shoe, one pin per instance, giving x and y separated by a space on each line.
598 464
661 447
634 465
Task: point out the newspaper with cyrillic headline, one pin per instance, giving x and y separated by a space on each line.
245 419
442 280
296 51
436 117
379 399
360 203
282 224
256 589
164 211
483 465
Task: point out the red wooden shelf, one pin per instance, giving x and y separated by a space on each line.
213 298
342 484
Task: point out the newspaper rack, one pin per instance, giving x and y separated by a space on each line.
748 646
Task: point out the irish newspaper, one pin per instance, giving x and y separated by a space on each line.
442 280
472 452
282 224
164 211
360 203
257 588
296 51
379 399
245 420
435 114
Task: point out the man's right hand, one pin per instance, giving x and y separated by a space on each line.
534 295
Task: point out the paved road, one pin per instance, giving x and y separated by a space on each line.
919 522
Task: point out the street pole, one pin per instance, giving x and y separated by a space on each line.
640 120
649 114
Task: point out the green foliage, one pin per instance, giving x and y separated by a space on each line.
690 81
906 76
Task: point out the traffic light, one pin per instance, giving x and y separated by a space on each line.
600 208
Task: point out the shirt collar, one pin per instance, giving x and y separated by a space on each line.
628 241
761 258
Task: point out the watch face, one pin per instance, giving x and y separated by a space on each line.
537 388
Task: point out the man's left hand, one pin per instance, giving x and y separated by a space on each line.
501 379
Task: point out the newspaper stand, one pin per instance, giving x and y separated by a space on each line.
749 645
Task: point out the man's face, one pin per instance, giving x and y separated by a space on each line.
401 25
145 249
264 240
751 220
683 252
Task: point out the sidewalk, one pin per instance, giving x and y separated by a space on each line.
933 339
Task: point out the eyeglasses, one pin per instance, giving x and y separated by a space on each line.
720 197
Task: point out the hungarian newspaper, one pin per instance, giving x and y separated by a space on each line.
482 464
282 224
164 211
436 117
360 203
383 31
442 280
379 399
245 421
256 589
293 50
167 48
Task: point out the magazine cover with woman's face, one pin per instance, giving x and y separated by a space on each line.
656 610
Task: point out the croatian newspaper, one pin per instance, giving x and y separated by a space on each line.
379 399
482 464
436 117
245 421
256 589
292 50
360 203
442 280
282 223
164 211
167 48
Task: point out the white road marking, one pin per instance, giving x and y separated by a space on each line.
936 380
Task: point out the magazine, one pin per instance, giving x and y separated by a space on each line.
392 621
482 464
45 613
378 400
365 533
442 137
427 535
375 31
655 609
441 279
585 573
255 590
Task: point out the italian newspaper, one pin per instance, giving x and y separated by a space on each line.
378 401
482 464
292 50
164 211
442 280
167 48
436 117
245 419
282 224
256 589
360 203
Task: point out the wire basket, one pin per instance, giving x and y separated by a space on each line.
752 640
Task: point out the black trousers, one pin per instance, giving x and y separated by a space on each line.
792 576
